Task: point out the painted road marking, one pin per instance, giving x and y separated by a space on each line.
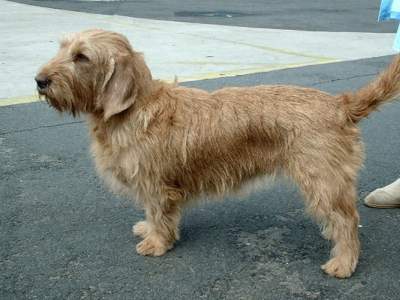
35 98
187 50
18 100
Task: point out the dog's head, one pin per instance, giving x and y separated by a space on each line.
94 71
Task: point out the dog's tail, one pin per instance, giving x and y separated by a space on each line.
383 89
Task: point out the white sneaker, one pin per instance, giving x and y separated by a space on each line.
385 197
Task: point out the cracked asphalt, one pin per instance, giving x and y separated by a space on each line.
63 235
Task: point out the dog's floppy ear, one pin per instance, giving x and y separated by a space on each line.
119 89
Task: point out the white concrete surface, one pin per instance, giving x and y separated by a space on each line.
29 37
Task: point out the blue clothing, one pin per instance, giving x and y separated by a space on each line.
390 10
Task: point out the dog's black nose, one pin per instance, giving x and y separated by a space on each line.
42 81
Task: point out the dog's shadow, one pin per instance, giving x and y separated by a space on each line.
255 227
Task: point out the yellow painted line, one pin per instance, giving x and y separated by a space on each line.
18 100
247 71
211 75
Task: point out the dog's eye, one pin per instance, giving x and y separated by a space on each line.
79 57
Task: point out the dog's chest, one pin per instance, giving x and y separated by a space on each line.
118 166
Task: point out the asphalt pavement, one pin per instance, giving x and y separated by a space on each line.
63 235
338 15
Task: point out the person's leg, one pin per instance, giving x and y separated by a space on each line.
385 197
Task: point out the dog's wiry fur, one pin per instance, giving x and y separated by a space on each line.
165 145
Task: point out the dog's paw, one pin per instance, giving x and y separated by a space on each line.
141 229
152 246
339 267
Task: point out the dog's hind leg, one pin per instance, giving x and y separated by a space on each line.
160 230
342 228
331 200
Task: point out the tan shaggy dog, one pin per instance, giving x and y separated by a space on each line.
166 145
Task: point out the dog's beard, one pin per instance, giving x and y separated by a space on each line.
59 100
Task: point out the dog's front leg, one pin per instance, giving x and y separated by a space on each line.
160 229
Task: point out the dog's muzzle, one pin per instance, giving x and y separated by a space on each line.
43 82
